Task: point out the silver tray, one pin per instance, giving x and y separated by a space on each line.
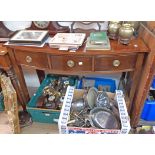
103 118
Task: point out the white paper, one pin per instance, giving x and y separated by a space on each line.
68 39
63 48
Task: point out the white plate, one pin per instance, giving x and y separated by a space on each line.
17 25
91 97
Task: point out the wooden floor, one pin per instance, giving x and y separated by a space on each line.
40 128
5 128
34 128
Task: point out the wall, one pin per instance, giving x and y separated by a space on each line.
18 25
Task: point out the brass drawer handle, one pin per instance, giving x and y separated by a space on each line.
70 63
28 59
116 63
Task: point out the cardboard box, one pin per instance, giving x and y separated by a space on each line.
76 93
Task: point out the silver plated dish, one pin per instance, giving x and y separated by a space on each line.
91 97
103 118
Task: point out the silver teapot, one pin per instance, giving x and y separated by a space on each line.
78 105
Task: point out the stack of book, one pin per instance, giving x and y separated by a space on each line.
98 41
29 38
67 40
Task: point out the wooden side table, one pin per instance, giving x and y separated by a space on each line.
146 77
5 64
119 59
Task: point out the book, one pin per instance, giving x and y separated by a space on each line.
67 39
103 46
98 37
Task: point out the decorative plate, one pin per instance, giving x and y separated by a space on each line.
91 97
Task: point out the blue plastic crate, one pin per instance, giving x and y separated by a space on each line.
107 84
45 115
1 102
148 112
153 83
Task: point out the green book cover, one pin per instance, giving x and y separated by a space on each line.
98 37
103 46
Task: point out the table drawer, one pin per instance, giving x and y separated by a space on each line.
115 62
70 63
32 59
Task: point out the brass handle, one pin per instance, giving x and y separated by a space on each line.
70 63
116 63
28 59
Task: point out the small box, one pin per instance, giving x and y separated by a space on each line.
65 112
107 84
45 115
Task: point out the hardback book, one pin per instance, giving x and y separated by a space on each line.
67 39
98 37
103 46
